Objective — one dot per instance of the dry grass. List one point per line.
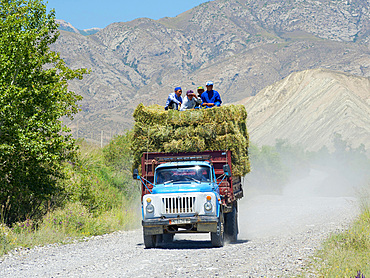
(221, 128)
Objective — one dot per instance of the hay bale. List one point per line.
(192, 144)
(155, 114)
(220, 128)
(150, 114)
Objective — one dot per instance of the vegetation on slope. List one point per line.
(97, 197)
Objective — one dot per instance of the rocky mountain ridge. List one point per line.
(243, 46)
(66, 26)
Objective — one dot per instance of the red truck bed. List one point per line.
(230, 188)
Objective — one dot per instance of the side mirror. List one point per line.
(227, 172)
(135, 174)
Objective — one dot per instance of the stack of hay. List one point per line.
(172, 131)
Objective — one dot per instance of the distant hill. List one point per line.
(309, 107)
(242, 45)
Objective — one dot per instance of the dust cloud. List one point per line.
(318, 196)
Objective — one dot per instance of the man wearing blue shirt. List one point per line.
(210, 97)
(174, 100)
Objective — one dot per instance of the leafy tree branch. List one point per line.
(34, 96)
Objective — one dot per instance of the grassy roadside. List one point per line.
(73, 222)
(98, 197)
(346, 254)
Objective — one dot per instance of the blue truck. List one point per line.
(189, 193)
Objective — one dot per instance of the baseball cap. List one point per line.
(189, 92)
(200, 88)
(209, 83)
(177, 88)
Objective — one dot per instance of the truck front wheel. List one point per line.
(150, 241)
(217, 238)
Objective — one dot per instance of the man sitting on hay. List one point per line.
(190, 101)
(210, 97)
(174, 100)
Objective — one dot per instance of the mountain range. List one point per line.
(242, 45)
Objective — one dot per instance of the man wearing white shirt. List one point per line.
(190, 101)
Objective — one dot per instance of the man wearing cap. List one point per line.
(190, 101)
(174, 99)
(200, 91)
(210, 97)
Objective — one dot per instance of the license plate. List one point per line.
(179, 221)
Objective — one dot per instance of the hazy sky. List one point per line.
(84, 14)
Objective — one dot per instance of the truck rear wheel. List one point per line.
(217, 238)
(231, 225)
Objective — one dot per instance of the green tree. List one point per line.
(119, 157)
(34, 96)
(118, 153)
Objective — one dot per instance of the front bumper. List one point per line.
(199, 224)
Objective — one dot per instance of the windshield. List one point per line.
(180, 174)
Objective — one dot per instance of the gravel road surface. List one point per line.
(278, 233)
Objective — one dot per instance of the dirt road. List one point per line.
(278, 233)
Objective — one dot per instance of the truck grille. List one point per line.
(178, 204)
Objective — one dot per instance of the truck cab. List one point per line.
(181, 194)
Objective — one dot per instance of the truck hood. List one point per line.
(176, 188)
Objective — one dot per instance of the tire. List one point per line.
(217, 238)
(168, 238)
(150, 241)
(231, 225)
(158, 240)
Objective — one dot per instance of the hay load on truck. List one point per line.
(190, 164)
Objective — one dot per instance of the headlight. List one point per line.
(149, 208)
(208, 206)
